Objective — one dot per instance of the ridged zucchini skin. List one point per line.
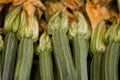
(8, 56)
(63, 56)
(45, 66)
(96, 67)
(24, 60)
(81, 47)
(110, 62)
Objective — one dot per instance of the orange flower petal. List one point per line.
(96, 13)
(30, 9)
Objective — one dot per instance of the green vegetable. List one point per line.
(12, 21)
(58, 26)
(24, 60)
(97, 47)
(111, 57)
(45, 58)
(8, 56)
(28, 33)
(80, 31)
(96, 67)
(81, 52)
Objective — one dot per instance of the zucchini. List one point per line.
(98, 48)
(81, 46)
(104, 67)
(111, 56)
(80, 32)
(63, 56)
(45, 63)
(58, 27)
(110, 62)
(96, 67)
(12, 21)
(45, 58)
(8, 56)
(24, 60)
(27, 33)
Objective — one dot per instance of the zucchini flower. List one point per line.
(45, 43)
(28, 27)
(97, 39)
(112, 29)
(80, 27)
(12, 20)
(59, 21)
(115, 36)
(1, 43)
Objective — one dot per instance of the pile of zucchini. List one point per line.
(59, 43)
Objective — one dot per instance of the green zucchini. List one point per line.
(111, 56)
(98, 48)
(81, 46)
(45, 63)
(63, 56)
(110, 62)
(58, 27)
(80, 33)
(45, 58)
(24, 60)
(8, 56)
(11, 25)
(96, 67)
(105, 58)
(27, 33)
